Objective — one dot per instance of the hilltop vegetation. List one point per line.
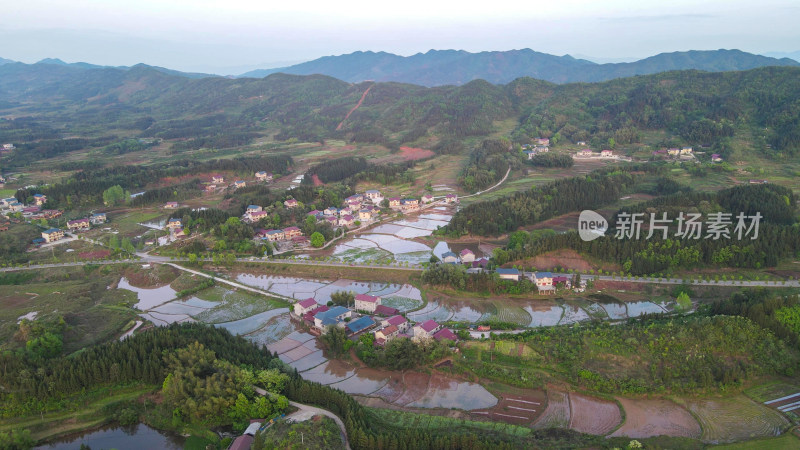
(51, 102)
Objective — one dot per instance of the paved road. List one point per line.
(305, 412)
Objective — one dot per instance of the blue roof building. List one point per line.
(359, 325)
(331, 316)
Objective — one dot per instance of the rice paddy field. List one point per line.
(736, 418)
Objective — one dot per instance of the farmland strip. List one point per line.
(515, 417)
(783, 408)
(791, 409)
(782, 398)
(523, 401)
(522, 409)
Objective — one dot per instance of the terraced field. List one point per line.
(557, 414)
(647, 418)
(593, 415)
(736, 418)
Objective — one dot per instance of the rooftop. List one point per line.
(366, 298)
(428, 325)
(360, 324)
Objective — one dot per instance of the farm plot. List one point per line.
(647, 418)
(234, 305)
(557, 414)
(274, 330)
(736, 418)
(636, 309)
(252, 323)
(573, 314)
(593, 415)
(403, 304)
(416, 384)
(517, 409)
(332, 371)
(444, 392)
(544, 315)
(365, 381)
(432, 311)
(512, 313)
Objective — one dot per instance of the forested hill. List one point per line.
(51, 102)
(457, 67)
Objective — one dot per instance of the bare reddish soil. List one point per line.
(413, 154)
(515, 409)
(94, 255)
(316, 180)
(593, 415)
(645, 418)
(360, 101)
(567, 259)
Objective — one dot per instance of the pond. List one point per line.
(148, 298)
(122, 438)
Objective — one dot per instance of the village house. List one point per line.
(374, 195)
(355, 197)
(673, 151)
(400, 322)
(211, 188)
(508, 274)
(467, 256)
(217, 179)
(581, 143)
(78, 225)
(31, 210)
(542, 278)
(394, 202)
(346, 221)
(175, 223)
(239, 184)
(449, 258)
(366, 303)
(529, 154)
(253, 208)
(758, 181)
(8, 147)
(716, 157)
(332, 221)
(97, 218)
(365, 215)
(255, 216)
(606, 154)
(426, 329)
(304, 306)
(427, 198)
(411, 202)
(171, 205)
(359, 325)
(16, 207)
(308, 317)
(300, 242)
(385, 311)
(345, 212)
(562, 281)
(263, 176)
(354, 205)
(290, 232)
(333, 316)
(40, 199)
(686, 151)
(445, 334)
(275, 235)
(7, 201)
(317, 214)
(386, 334)
(542, 141)
(260, 234)
(451, 198)
(585, 153)
(541, 149)
(290, 203)
(331, 211)
(52, 235)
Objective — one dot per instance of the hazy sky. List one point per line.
(232, 36)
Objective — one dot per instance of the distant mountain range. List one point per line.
(457, 67)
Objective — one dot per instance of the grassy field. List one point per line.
(788, 441)
(88, 415)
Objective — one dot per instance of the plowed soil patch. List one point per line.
(557, 414)
(593, 415)
(646, 418)
(413, 154)
(416, 384)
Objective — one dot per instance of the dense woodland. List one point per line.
(491, 218)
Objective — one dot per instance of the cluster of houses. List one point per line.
(683, 152)
(588, 153)
(291, 235)
(546, 282)
(532, 150)
(466, 257)
(356, 208)
(219, 181)
(368, 316)
(77, 225)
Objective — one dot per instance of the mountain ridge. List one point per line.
(458, 67)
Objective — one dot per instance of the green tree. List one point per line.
(684, 302)
(335, 340)
(114, 196)
(317, 239)
(343, 298)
